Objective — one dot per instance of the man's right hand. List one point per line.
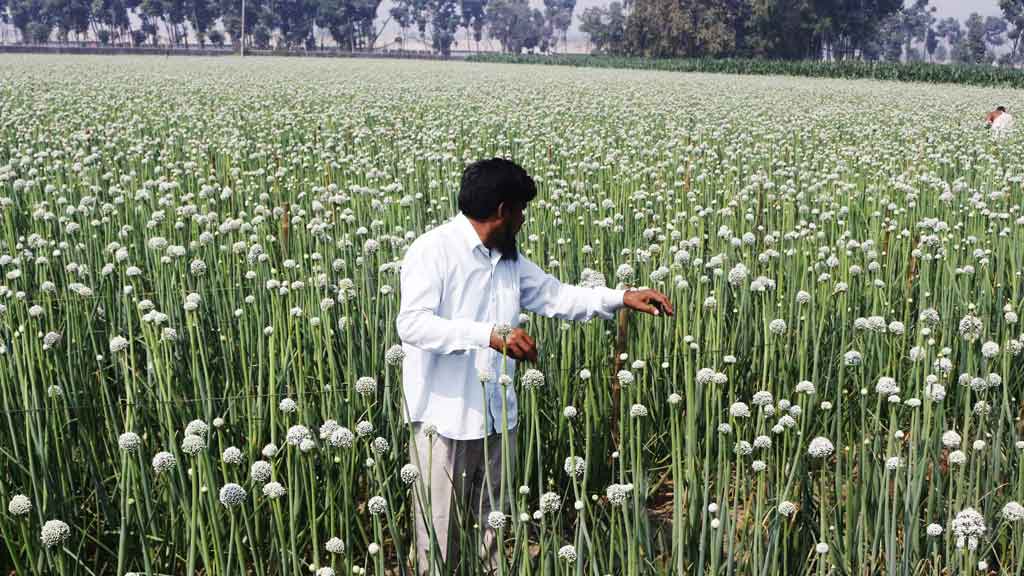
(519, 346)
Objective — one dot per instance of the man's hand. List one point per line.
(519, 346)
(649, 301)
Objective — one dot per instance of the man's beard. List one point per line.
(507, 245)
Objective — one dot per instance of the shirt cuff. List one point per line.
(611, 299)
(480, 334)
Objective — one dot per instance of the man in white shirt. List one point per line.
(460, 283)
(1000, 121)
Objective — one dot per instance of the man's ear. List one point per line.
(502, 211)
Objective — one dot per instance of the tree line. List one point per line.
(890, 30)
(289, 24)
(887, 30)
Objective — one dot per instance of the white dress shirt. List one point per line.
(454, 291)
(1003, 124)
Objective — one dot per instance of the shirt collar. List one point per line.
(467, 233)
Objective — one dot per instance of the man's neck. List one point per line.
(486, 231)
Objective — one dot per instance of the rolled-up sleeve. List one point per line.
(418, 323)
(543, 294)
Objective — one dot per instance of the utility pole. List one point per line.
(243, 28)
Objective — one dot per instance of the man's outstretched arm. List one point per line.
(544, 294)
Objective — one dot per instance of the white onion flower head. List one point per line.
(273, 490)
(364, 428)
(820, 447)
(118, 344)
(575, 466)
(821, 548)
(325, 571)
(394, 355)
(270, 450)
(550, 502)
(570, 412)
(296, 434)
(260, 471)
(163, 462)
(197, 427)
(532, 379)
(335, 546)
(934, 530)
(231, 455)
(739, 410)
(232, 495)
(409, 473)
(625, 377)
(341, 438)
(287, 406)
(54, 533)
(377, 505)
(19, 505)
(366, 385)
(193, 444)
(1013, 512)
(638, 411)
(129, 442)
(786, 508)
(968, 527)
(567, 553)
(496, 520)
(951, 439)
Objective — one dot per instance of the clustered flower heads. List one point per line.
(335, 545)
(377, 505)
(575, 466)
(532, 379)
(968, 527)
(820, 447)
(232, 495)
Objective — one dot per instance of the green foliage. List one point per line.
(978, 75)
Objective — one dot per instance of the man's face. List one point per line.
(512, 220)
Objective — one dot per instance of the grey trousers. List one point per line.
(453, 473)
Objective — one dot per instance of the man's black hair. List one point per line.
(487, 183)
(1000, 108)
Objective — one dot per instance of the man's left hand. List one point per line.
(649, 301)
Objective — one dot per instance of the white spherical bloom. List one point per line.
(377, 505)
(989, 349)
(758, 465)
(366, 386)
(260, 471)
(934, 530)
(968, 526)
(327, 428)
(893, 462)
(129, 442)
(273, 490)
(957, 457)
(19, 505)
(270, 450)
(852, 358)
(674, 399)
(886, 386)
(193, 444)
(325, 571)
(971, 327)
(777, 326)
(805, 387)
(567, 553)
(163, 462)
(218, 422)
(950, 439)
(570, 412)
(574, 466)
(625, 377)
(54, 391)
(118, 344)
(296, 434)
(715, 523)
(617, 493)
(335, 546)
(935, 391)
(504, 380)
(550, 502)
(585, 374)
(198, 427)
(379, 446)
(496, 520)
(978, 445)
(231, 455)
(54, 533)
(762, 442)
(532, 379)
(232, 494)
(739, 410)
(307, 445)
(821, 548)
(713, 508)
(820, 447)
(786, 508)
(724, 428)
(287, 405)
(341, 438)
(409, 473)
(743, 448)
(1013, 512)
(394, 355)
(705, 376)
(803, 297)
(787, 421)
(364, 428)
(638, 411)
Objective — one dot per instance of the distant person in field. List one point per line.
(1000, 121)
(461, 282)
